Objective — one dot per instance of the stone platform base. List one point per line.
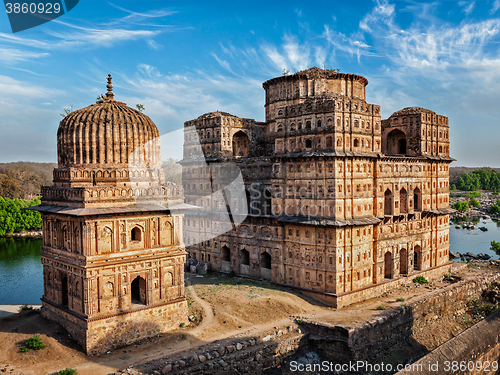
(348, 298)
(98, 335)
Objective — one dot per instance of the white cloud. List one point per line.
(11, 55)
(467, 7)
(496, 6)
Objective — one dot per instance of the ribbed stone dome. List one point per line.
(105, 133)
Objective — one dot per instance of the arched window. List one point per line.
(240, 144)
(64, 291)
(388, 202)
(136, 233)
(403, 262)
(226, 254)
(403, 199)
(245, 257)
(356, 142)
(308, 143)
(396, 143)
(388, 265)
(308, 125)
(266, 202)
(417, 258)
(265, 260)
(417, 199)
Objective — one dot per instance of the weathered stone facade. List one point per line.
(112, 249)
(338, 199)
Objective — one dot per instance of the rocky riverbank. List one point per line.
(26, 233)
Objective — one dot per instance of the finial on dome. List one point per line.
(109, 94)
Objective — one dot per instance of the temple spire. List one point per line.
(109, 94)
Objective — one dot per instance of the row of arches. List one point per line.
(244, 257)
(404, 203)
(404, 262)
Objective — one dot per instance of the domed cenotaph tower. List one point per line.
(112, 249)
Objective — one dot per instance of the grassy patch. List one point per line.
(400, 299)
(381, 307)
(481, 309)
(67, 371)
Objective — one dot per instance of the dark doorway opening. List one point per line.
(138, 290)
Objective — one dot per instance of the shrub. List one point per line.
(381, 307)
(67, 371)
(25, 307)
(183, 324)
(400, 299)
(474, 194)
(420, 280)
(475, 203)
(34, 342)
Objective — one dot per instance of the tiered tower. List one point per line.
(112, 249)
(341, 203)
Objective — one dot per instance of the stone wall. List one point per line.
(99, 335)
(368, 341)
(372, 291)
(474, 349)
(243, 355)
(392, 328)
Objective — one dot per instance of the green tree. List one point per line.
(453, 187)
(14, 217)
(475, 203)
(474, 194)
(461, 206)
(494, 209)
(495, 246)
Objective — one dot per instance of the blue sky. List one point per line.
(182, 59)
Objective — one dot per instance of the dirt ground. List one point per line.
(220, 307)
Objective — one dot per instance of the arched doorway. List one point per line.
(403, 262)
(403, 201)
(244, 262)
(417, 258)
(265, 260)
(64, 290)
(245, 257)
(225, 265)
(240, 144)
(266, 202)
(265, 265)
(417, 199)
(396, 143)
(226, 254)
(138, 291)
(388, 202)
(388, 265)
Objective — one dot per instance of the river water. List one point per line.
(21, 279)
